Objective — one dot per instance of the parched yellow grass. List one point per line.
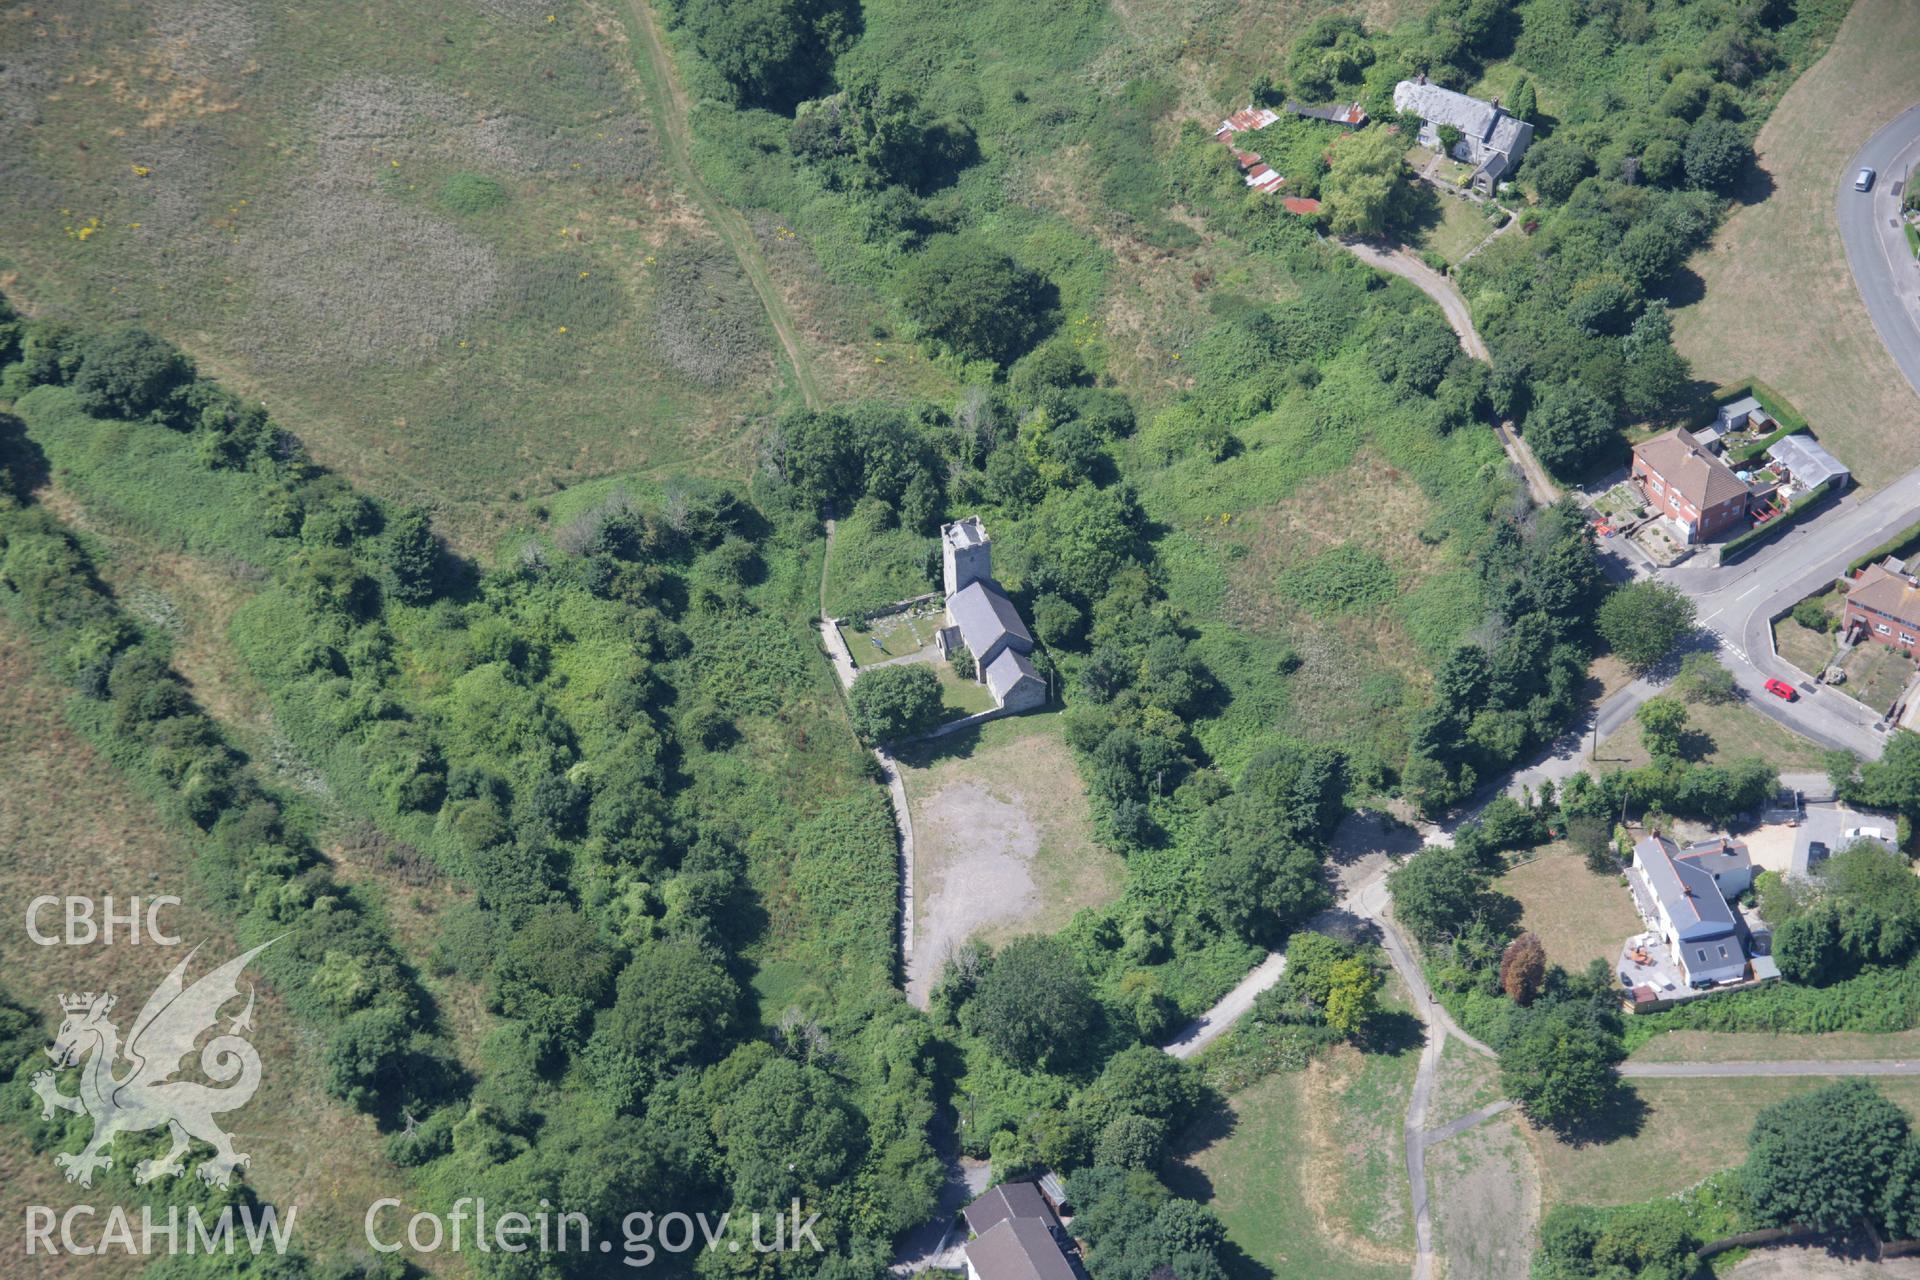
(1690, 1129)
(1780, 303)
(1727, 732)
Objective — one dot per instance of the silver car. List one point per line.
(1863, 180)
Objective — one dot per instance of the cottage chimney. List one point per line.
(1496, 104)
(1422, 79)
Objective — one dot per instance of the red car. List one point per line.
(1781, 689)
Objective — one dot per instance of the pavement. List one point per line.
(1804, 1067)
(1209, 1026)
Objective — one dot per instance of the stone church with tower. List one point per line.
(984, 620)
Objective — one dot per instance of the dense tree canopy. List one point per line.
(773, 53)
(977, 301)
(1643, 620)
(1033, 1004)
(1821, 1159)
(1570, 430)
(1558, 1064)
(1366, 191)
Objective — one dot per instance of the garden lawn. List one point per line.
(961, 697)
(1876, 674)
(1804, 647)
(1580, 916)
(1462, 227)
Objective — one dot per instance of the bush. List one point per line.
(1703, 678)
(1812, 614)
(892, 702)
(1716, 153)
(129, 374)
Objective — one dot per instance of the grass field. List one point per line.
(1719, 733)
(70, 824)
(1291, 1199)
(1687, 1130)
(445, 244)
(1466, 1082)
(1578, 915)
(1821, 351)
(1749, 1046)
(1485, 1199)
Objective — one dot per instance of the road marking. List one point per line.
(1749, 591)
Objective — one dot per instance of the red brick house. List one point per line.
(1884, 605)
(1690, 486)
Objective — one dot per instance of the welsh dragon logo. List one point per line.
(145, 1096)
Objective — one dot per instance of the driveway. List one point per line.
(1408, 266)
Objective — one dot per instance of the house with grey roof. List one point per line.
(1006, 1200)
(1016, 1236)
(1689, 909)
(1491, 139)
(982, 618)
(1017, 1249)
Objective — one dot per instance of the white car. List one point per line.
(1863, 180)
(1867, 833)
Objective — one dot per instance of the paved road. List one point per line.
(1468, 1121)
(1804, 1067)
(1883, 269)
(1209, 1026)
